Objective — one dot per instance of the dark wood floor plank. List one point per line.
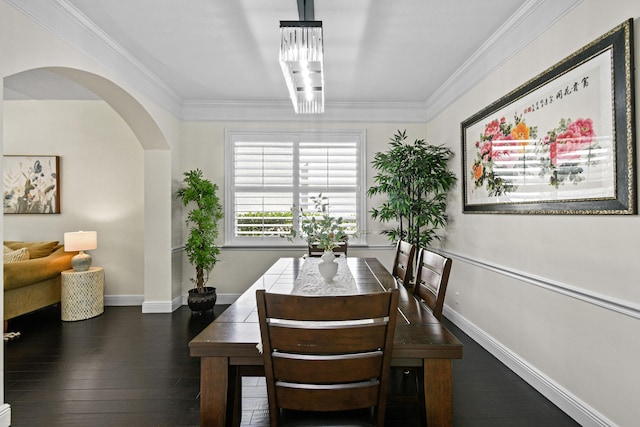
(125, 368)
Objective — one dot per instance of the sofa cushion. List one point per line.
(21, 254)
(36, 249)
(25, 273)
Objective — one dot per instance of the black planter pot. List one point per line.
(202, 301)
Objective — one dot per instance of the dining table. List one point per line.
(229, 347)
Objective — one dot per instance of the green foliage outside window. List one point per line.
(257, 224)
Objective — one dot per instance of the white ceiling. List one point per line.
(223, 51)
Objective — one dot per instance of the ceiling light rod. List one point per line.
(306, 10)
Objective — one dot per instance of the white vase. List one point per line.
(328, 268)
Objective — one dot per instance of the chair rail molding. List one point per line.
(627, 308)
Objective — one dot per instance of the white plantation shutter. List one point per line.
(263, 181)
(330, 169)
(268, 174)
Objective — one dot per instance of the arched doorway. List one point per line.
(156, 188)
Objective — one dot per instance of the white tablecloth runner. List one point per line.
(310, 282)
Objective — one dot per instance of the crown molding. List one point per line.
(62, 19)
(283, 111)
(68, 24)
(529, 21)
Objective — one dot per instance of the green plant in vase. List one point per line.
(319, 228)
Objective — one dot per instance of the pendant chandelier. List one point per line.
(301, 60)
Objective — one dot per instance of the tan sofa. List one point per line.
(35, 283)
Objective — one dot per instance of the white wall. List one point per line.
(203, 147)
(26, 45)
(101, 183)
(101, 158)
(583, 353)
(517, 280)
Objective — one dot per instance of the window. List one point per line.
(269, 173)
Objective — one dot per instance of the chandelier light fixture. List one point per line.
(301, 59)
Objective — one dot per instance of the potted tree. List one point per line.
(201, 248)
(415, 179)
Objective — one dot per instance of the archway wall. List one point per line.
(25, 45)
(101, 184)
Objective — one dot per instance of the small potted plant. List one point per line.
(200, 247)
(322, 231)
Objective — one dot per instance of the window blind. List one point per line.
(264, 182)
(271, 178)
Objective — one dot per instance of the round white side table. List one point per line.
(82, 294)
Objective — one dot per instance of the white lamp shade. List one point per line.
(80, 241)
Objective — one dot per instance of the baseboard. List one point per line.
(561, 397)
(123, 300)
(176, 303)
(5, 415)
(158, 306)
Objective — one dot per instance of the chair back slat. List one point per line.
(327, 353)
(403, 262)
(339, 399)
(308, 340)
(432, 277)
(326, 308)
(326, 370)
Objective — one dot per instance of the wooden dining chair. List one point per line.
(327, 358)
(403, 262)
(432, 276)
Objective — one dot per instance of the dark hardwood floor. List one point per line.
(125, 368)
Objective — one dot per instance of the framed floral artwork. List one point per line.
(31, 184)
(562, 143)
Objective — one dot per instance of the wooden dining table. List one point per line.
(228, 347)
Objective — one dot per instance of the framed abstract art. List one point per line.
(31, 184)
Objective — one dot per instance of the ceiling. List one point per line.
(222, 51)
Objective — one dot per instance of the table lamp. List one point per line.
(80, 241)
